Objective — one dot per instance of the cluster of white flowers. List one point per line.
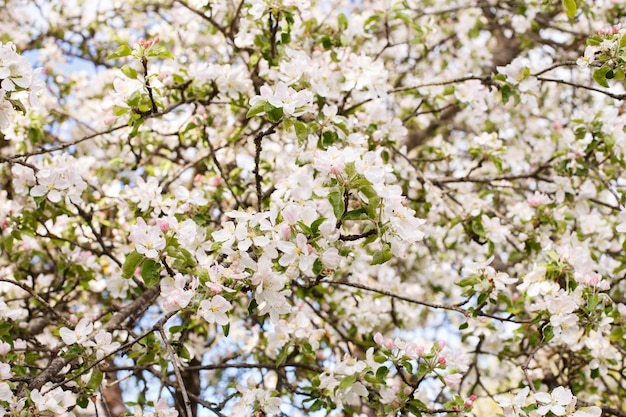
(559, 402)
(17, 79)
(62, 177)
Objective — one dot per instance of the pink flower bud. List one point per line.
(215, 181)
(442, 344)
(414, 351)
(473, 397)
(109, 119)
(389, 344)
(184, 207)
(441, 360)
(378, 338)
(215, 288)
(164, 226)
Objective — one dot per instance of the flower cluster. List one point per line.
(17, 80)
(559, 402)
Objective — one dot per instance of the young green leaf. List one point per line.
(131, 263)
(570, 8)
(150, 272)
(121, 51)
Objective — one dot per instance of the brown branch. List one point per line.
(584, 87)
(425, 303)
(258, 140)
(129, 310)
(66, 145)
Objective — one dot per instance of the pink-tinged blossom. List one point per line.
(148, 240)
(104, 344)
(333, 160)
(299, 253)
(5, 371)
(331, 258)
(62, 177)
(453, 380)
(177, 292)
(214, 310)
(6, 394)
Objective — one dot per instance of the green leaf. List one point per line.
(592, 301)
(383, 255)
(548, 334)
(315, 226)
(120, 111)
(258, 108)
(318, 266)
(130, 72)
(131, 263)
(342, 21)
(570, 8)
(599, 76)
(329, 138)
(252, 306)
(18, 105)
(160, 51)
(82, 401)
(145, 359)
(507, 92)
(358, 214)
(121, 51)
(381, 374)
(622, 41)
(282, 355)
(336, 201)
(150, 272)
(226, 329)
(347, 381)
(301, 131)
(95, 380)
(305, 229)
(274, 114)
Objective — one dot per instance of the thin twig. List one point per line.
(176, 365)
(258, 140)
